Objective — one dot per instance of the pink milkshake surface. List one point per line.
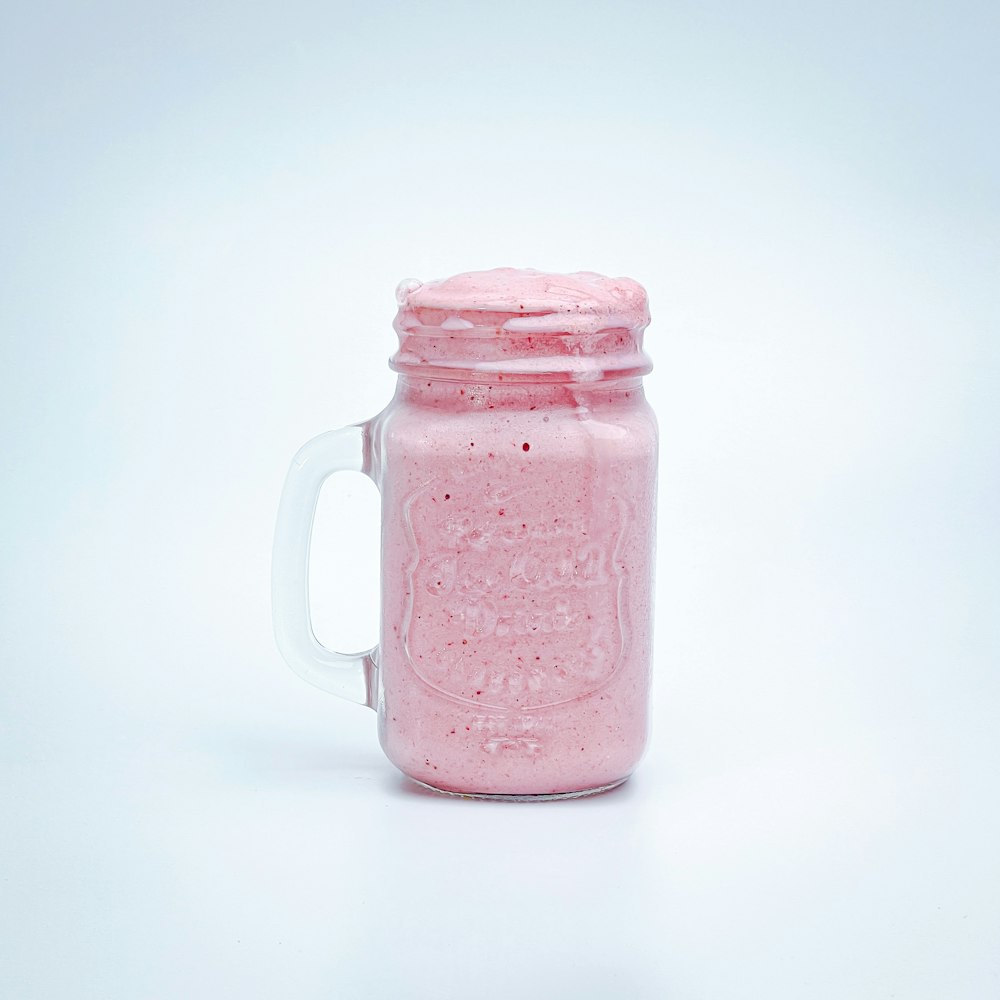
(517, 465)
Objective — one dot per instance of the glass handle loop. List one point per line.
(350, 675)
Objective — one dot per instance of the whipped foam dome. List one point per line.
(522, 323)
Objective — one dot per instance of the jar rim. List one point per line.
(522, 324)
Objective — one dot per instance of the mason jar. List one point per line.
(517, 469)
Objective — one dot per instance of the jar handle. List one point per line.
(351, 675)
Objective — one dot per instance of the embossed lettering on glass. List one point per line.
(517, 468)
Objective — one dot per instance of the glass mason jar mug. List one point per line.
(517, 469)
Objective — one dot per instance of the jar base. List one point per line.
(514, 797)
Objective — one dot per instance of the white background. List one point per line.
(205, 209)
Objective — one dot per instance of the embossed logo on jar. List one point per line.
(513, 604)
(508, 732)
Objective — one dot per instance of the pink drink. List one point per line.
(517, 465)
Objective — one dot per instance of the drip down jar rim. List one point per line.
(522, 325)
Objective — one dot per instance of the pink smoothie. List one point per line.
(517, 465)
